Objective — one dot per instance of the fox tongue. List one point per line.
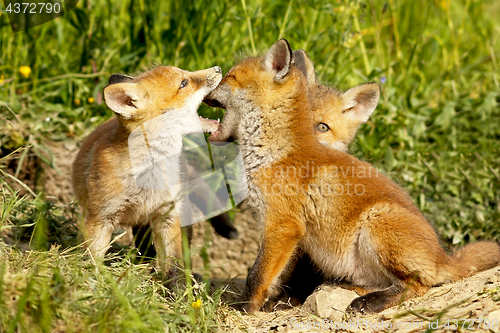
(209, 125)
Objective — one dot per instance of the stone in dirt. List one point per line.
(494, 318)
(329, 302)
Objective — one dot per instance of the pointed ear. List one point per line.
(119, 78)
(302, 61)
(359, 102)
(122, 98)
(278, 59)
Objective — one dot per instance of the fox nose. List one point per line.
(217, 70)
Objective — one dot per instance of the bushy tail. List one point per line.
(476, 257)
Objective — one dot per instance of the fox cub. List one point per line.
(118, 174)
(335, 127)
(355, 224)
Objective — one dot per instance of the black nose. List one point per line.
(218, 70)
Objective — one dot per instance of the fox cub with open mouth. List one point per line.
(355, 224)
(335, 127)
(122, 172)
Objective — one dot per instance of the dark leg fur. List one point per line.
(143, 242)
(305, 278)
(222, 225)
(252, 283)
(142, 235)
(302, 278)
(377, 301)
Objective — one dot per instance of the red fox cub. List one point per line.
(117, 174)
(335, 125)
(356, 224)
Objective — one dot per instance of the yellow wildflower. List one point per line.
(444, 4)
(77, 102)
(196, 304)
(1, 79)
(25, 71)
(91, 100)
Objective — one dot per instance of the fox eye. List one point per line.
(183, 83)
(323, 127)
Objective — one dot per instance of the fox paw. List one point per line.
(369, 303)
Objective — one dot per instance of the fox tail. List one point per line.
(476, 257)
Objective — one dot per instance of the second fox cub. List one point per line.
(335, 124)
(354, 223)
(118, 173)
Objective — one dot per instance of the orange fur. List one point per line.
(335, 122)
(354, 223)
(102, 176)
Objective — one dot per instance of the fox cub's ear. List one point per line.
(119, 78)
(278, 59)
(302, 61)
(359, 102)
(122, 98)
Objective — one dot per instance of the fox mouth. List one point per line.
(215, 136)
(213, 103)
(209, 125)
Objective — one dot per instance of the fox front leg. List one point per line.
(97, 235)
(167, 239)
(277, 248)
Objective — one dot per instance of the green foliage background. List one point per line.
(435, 130)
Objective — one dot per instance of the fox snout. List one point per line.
(217, 70)
(218, 97)
(214, 76)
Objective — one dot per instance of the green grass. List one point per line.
(66, 291)
(435, 130)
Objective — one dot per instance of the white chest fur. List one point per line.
(154, 178)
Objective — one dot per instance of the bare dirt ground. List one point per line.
(469, 305)
(470, 300)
